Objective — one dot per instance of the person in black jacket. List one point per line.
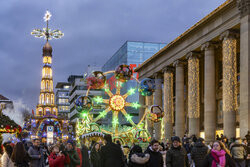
(85, 156)
(219, 155)
(95, 156)
(111, 154)
(177, 155)
(199, 152)
(156, 159)
(137, 158)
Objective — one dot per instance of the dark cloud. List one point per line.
(94, 30)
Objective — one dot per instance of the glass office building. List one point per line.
(133, 54)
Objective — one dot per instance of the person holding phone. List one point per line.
(56, 158)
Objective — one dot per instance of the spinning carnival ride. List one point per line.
(117, 104)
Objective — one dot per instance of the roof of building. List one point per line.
(199, 23)
(61, 84)
(3, 98)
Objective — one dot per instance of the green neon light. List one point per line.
(128, 117)
(103, 114)
(115, 122)
(131, 91)
(136, 105)
(98, 99)
(84, 114)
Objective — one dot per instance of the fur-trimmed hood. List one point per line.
(140, 160)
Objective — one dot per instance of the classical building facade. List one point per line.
(203, 76)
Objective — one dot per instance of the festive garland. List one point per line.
(123, 73)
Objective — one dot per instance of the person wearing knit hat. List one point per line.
(176, 155)
(176, 138)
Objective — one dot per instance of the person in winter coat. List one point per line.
(79, 152)
(95, 156)
(5, 159)
(111, 154)
(36, 154)
(56, 158)
(199, 152)
(176, 155)
(137, 158)
(19, 156)
(155, 159)
(74, 159)
(85, 156)
(238, 153)
(219, 156)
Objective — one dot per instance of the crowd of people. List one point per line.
(185, 152)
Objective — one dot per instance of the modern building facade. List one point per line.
(204, 76)
(62, 98)
(133, 54)
(78, 88)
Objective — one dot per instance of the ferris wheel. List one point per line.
(115, 101)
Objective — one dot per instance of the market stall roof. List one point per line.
(8, 126)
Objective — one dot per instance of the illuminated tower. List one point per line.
(46, 105)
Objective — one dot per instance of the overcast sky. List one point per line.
(94, 31)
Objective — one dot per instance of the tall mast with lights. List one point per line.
(46, 105)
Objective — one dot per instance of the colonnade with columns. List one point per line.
(172, 97)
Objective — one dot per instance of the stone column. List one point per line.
(142, 103)
(149, 103)
(179, 99)
(244, 7)
(229, 83)
(158, 101)
(168, 102)
(209, 92)
(194, 93)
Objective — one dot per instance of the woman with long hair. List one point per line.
(95, 156)
(5, 159)
(219, 156)
(20, 157)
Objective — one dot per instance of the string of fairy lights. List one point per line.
(193, 87)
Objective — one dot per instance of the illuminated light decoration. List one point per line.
(96, 80)
(47, 16)
(98, 99)
(131, 91)
(129, 117)
(103, 114)
(156, 113)
(84, 114)
(83, 103)
(229, 74)
(147, 87)
(193, 86)
(117, 103)
(136, 105)
(143, 136)
(168, 96)
(47, 33)
(123, 73)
